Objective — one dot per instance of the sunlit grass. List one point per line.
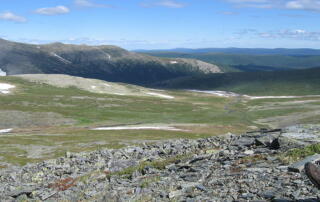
(298, 154)
(201, 115)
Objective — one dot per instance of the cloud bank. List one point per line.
(9, 16)
(58, 10)
(307, 5)
(90, 4)
(297, 34)
(163, 3)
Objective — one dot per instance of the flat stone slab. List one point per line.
(299, 166)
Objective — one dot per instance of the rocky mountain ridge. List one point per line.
(103, 62)
(220, 168)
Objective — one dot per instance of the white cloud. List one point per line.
(53, 10)
(87, 3)
(164, 3)
(12, 17)
(255, 3)
(248, 1)
(170, 4)
(297, 34)
(294, 34)
(304, 5)
(266, 35)
(313, 5)
(246, 32)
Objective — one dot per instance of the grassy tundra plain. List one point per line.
(49, 120)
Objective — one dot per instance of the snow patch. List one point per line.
(5, 88)
(161, 95)
(108, 85)
(153, 89)
(218, 93)
(174, 62)
(93, 87)
(109, 56)
(140, 128)
(61, 59)
(278, 97)
(231, 94)
(3, 73)
(6, 130)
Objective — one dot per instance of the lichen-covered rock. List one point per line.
(220, 168)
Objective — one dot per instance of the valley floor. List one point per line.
(101, 140)
(43, 119)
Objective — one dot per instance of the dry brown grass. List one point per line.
(63, 184)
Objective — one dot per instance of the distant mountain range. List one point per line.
(108, 63)
(246, 51)
(251, 60)
(242, 73)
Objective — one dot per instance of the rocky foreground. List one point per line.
(223, 168)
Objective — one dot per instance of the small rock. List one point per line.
(249, 152)
(174, 194)
(299, 166)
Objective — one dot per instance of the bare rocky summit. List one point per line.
(243, 167)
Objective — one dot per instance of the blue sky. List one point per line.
(161, 24)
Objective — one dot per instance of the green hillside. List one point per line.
(49, 115)
(294, 82)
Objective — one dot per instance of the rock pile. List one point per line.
(222, 168)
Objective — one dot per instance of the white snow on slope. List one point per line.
(279, 97)
(161, 95)
(5, 130)
(173, 62)
(168, 128)
(3, 73)
(218, 93)
(60, 58)
(109, 56)
(5, 88)
(231, 94)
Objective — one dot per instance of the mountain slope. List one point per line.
(101, 62)
(91, 85)
(293, 82)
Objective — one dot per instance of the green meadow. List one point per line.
(48, 121)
